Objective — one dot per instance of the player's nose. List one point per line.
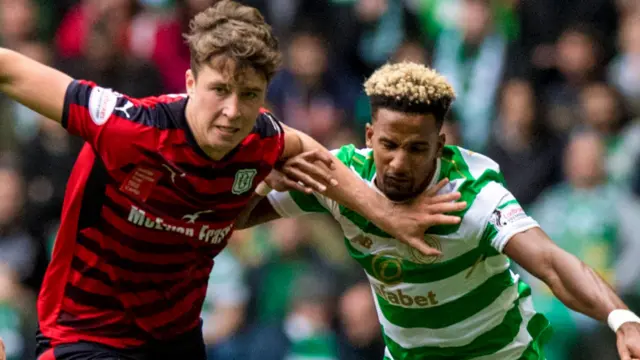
(399, 163)
(231, 107)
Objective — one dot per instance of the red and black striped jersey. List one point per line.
(145, 213)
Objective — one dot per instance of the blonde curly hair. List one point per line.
(412, 88)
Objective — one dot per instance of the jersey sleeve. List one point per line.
(505, 220)
(95, 113)
(295, 203)
(112, 123)
(269, 127)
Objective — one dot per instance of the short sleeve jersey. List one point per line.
(465, 303)
(145, 213)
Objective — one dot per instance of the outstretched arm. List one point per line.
(405, 222)
(33, 84)
(574, 283)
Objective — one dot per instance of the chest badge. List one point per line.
(243, 181)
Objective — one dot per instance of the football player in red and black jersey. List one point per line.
(159, 184)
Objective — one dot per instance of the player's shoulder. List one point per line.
(478, 178)
(267, 125)
(359, 160)
(102, 104)
(460, 163)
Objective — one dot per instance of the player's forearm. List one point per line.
(7, 57)
(35, 85)
(580, 288)
(351, 191)
(258, 211)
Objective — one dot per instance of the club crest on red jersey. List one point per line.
(243, 181)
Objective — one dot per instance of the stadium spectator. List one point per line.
(578, 59)
(624, 70)
(594, 220)
(305, 332)
(18, 250)
(18, 255)
(365, 33)
(106, 61)
(18, 22)
(604, 110)
(224, 308)
(309, 95)
(272, 283)
(529, 155)
(473, 56)
(160, 40)
(72, 34)
(47, 160)
(359, 325)
(286, 16)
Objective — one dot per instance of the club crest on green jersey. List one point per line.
(243, 181)
(421, 258)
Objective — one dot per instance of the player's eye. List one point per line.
(418, 149)
(220, 90)
(388, 145)
(250, 95)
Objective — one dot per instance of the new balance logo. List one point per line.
(173, 173)
(125, 108)
(193, 217)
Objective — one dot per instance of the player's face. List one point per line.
(223, 106)
(405, 149)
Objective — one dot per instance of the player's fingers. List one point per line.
(324, 157)
(294, 185)
(421, 246)
(441, 219)
(434, 190)
(305, 179)
(318, 171)
(447, 207)
(445, 198)
(622, 349)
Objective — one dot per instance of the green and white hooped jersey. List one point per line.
(463, 304)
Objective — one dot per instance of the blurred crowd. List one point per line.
(550, 89)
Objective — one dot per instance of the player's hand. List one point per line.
(307, 172)
(411, 220)
(3, 355)
(629, 341)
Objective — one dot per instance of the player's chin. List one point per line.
(223, 139)
(398, 194)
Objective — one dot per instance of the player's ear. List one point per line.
(442, 140)
(369, 135)
(190, 82)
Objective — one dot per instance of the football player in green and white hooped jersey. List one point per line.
(464, 303)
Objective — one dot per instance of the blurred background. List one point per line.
(550, 89)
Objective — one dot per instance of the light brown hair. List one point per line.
(233, 36)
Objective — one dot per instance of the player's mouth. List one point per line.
(397, 182)
(226, 130)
